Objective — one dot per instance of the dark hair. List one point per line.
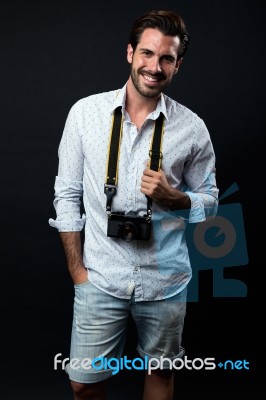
(167, 22)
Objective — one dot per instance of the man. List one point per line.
(114, 275)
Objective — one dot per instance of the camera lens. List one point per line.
(128, 231)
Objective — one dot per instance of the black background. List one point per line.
(52, 54)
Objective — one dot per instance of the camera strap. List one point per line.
(155, 154)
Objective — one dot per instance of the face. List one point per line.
(154, 62)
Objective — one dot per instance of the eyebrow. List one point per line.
(164, 55)
(143, 48)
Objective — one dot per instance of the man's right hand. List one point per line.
(80, 275)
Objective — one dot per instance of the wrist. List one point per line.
(79, 274)
(178, 200)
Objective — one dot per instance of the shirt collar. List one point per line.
(160, 108)
(120, 100)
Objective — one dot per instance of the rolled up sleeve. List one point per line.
(69, 181)
(200, 177)
(67, 206)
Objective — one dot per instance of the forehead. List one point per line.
(156, 41)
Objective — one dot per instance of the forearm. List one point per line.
(73, 251)
(176, 200)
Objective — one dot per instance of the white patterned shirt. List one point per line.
(159, 267)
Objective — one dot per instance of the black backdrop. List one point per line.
(56, 52)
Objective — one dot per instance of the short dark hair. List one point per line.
(167, 22)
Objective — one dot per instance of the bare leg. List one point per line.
(92, 391)
(159, 385)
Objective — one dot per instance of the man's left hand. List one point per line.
(155, 185)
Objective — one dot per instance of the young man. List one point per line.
(120, 269)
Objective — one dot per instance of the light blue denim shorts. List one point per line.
(100, 324)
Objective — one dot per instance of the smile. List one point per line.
(151, 78)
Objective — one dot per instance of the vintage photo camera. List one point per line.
(129, 226)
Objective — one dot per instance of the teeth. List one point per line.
(151, 79)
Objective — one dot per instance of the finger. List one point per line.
(145, 185)
(147, 179)
(146, 171)
(145, 191)
(149, 172)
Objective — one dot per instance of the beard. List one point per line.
(148, 91)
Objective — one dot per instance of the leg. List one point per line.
(93, 391)
(98, 333)
(159, 385)
(160, 327)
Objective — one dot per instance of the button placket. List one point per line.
(130, 187)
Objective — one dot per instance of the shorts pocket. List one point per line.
(77, 285)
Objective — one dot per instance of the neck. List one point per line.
(138, 106)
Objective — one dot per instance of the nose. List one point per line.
(154, 65)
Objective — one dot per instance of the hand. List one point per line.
(80, 276)
(155, 185)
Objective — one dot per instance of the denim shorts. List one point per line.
(99, 330)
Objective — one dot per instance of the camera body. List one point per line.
(129, 226)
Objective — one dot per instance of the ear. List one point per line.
(178, 63)
(129, 53)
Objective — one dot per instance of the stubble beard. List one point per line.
(145, 91)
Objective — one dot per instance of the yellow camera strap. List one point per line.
(155, 154)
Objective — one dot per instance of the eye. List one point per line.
(146, 52)
(169, 59)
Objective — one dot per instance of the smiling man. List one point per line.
(155, 59)
(133, 155)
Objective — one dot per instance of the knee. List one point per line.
(79, 389)
(88, 390)
(165, 374)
